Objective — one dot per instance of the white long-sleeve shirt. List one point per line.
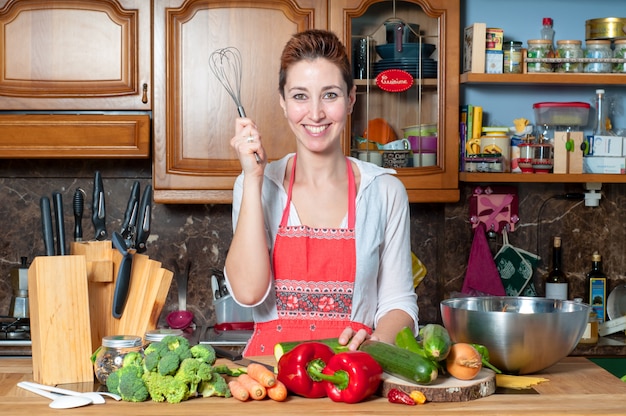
(384, 277)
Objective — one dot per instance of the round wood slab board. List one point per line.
(445, 388)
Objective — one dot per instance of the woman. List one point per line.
(321, 242)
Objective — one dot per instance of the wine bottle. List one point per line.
(556, 281)
(596, 287)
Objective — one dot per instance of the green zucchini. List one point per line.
(284, 347)
(435, 341)
(401, 363)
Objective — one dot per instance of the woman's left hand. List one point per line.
(353, 339)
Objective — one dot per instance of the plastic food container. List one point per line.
(227, 310)
(561, 113)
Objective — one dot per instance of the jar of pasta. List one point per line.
(598, 49)
(569, 49)
(540, 48)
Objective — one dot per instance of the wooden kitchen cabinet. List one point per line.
(194, 116)
(75, 78)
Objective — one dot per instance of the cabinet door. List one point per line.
(432, 100)
(194, 116)
(75, 55)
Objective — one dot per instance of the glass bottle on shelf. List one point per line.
(596, 287)
(556, 280)
(547, 30)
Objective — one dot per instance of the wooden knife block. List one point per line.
(60, 320)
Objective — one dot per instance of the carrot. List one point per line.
(238, 391)
(278, 392)
(256, 390)
(261, 374)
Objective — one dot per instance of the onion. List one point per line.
(463, 361)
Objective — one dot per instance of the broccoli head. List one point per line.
(168, 363)
(165, 388)
(178, 344)
(131, 386)
(133, 358)
(113, 382)
(217, 386)
(192, 372)
(204, 353)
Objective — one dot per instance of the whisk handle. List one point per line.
(241, 111)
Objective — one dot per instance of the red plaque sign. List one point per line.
(394, 80)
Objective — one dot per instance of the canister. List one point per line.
(569, 49)
(598, 49)
(497, 142)
(606, 28)
(540, 48)
(111, 354)
(620, 53)
(512, 57)
(543, 158)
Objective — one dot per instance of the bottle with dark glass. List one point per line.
(556, 280)
(596, 287)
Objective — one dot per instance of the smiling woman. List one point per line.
(325, 237)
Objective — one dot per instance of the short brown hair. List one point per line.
(310, 45)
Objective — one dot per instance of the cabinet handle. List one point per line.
(144, 97)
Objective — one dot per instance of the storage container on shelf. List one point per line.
(540, 48)
(569, 49)
(565, 114)
(598, 49)
(620, 53)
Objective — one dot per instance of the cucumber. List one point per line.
(401, 363)
(406, 340)
(435, 341)
(284, 347)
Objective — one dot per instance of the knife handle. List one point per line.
(144, 219)
(122, 285)
(57, 201)
(46, 225)
(98, 216)
(130, 215)
(79, 204)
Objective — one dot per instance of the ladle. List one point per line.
(182, 318)
(58, 401)
(95, 396)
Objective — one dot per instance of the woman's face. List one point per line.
(316, 104)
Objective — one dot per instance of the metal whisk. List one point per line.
(225, 64)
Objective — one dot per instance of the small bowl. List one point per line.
(409, 50)
(522, 334)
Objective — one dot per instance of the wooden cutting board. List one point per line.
(446, 388)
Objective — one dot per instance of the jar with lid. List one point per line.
(569, 49)
(540, 48)
(158, 334)
(111, 354)
(598, 49)
(590, 336)
(619, 53)
(512, 57)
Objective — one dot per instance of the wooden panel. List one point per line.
(71, 54)
(74, 136)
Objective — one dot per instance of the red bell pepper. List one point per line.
(351, 376)
(297, 369)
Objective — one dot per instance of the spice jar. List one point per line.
(111, 354)
(619, 53)
(598, 49)
(512, 57)
(590, 336)
(540, 48)
(569, 49)
(158, 334)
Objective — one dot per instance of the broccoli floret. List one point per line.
(217, 386)
(157, 347)
(192, 372)
(151, 362)
(168, 363)
(131, 386)
(113, 382)
(133, 358)
(152, 355)
(178, 344)
(165, 388)
(204, 353)
(224, 369)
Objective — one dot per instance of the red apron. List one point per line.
(314, 271)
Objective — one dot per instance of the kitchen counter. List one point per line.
(576, 387)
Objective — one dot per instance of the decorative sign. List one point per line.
(394, 80)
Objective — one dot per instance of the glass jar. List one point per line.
(540, 48)
(159, 334)
(590, 336)
(598, 49)
(111, 354)
(512, 57)
(569, 49)
(620, 53)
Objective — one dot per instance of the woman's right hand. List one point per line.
(247, 144)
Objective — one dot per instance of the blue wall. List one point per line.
(521, 21)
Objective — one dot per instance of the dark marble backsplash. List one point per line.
(441, 233)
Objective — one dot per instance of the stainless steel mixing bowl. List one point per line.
(523, 334)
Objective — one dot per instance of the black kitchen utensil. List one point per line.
(143, 220)
(46, 225)
(129, 223)
(98, 216)
(79, 205)
(57, 202)
(122, 283)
